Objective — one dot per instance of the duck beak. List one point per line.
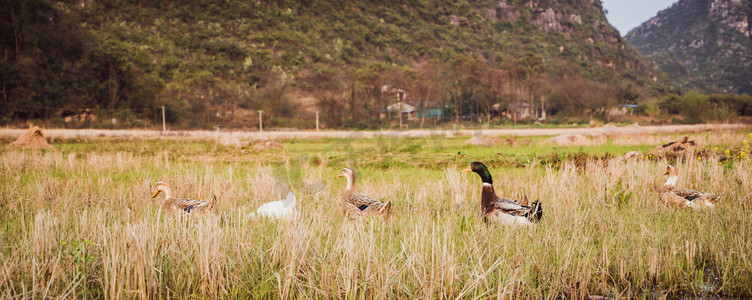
(156, 192)
(340, 175)
(466, 170)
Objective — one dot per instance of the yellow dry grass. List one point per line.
(83, 226)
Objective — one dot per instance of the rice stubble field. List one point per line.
(78, 221)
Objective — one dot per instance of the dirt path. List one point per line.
(301, 134)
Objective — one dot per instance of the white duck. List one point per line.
(278, 209)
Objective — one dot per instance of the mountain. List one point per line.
(706, 45)
(217, 62)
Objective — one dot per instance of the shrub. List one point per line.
(694, 107)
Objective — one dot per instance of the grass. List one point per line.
(78, 222)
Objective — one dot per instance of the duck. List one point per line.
(679, 197)
(278, 209)
(186, 206)
(357, 205)
(499, 210)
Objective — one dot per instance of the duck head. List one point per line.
(481, 170)
(673, 175)
(349, 174)
(671, 170)
(163, 186)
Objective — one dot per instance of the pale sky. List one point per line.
(628, 14)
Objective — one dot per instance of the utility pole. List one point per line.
(543, 109)
(164, 125)
(261, 124)
(218, 129)
(400, 114)
(400, 97)
(317, 121)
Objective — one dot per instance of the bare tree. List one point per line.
(331, 93)
(427, 88)
(577, 95)
(496, 80)
(533, 69)
(512, 66)
(368, 82)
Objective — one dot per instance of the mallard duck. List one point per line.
(500, 210)
(278, 209)
(356, 205)
(187, 206)
(679, 197)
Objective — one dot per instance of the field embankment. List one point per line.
(303, 134)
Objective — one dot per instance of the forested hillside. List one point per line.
(705, 45)
(217, 62)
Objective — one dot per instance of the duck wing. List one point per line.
(510, 212)
(689, 194)
(187, 205)
(361, 202)
(510, 207)
(352, 210)
(671, 198)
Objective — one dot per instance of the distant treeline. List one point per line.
(698, 108)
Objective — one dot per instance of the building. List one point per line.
(431, 112)
(516, 110)
(408, 110)
(622, 110)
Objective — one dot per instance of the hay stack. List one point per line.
(32, 139)
(481, 141)
(490, 141)
(678, 148)
(632, 129)
(569, 140)
(261, 145)
(233, 142)
(631, 155)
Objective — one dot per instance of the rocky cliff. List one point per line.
(705, 45)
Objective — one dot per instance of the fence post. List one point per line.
(164, 125)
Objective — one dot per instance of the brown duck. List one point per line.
(186, 206)
(500, 210)
(357, 205)
(679, 197)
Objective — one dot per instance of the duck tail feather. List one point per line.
(386, 207)
(212, 202)
(718, 197)
(289, 200)
(537, 212)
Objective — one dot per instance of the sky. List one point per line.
(628, 14)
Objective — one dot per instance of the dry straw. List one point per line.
(85, 227)
(31, 139)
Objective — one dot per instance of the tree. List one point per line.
(496, 80)
(533, 68)
(369, 80)
(465, 73)
(515, 73)
(330, 94)
(576, 95)
(426, 88)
